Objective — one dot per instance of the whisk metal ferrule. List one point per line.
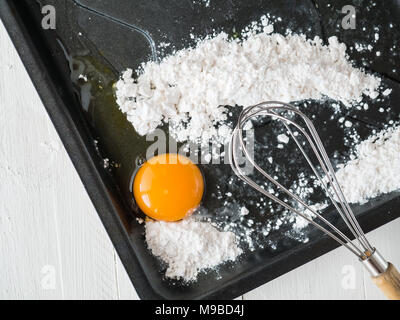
(375, 263)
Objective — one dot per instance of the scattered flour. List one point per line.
(189, 246)
(387, 92)
(300, 223)
(375, 168)
(348, 124)
(283, 138)
(244, 211)
(360, 47)
(190, 88)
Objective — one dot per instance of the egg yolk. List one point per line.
(168, 187)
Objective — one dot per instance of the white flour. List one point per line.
(375, 168)
(190, 246)
(189, 88)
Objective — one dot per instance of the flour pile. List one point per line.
(190, 246)
(375, 169)
(190, 88)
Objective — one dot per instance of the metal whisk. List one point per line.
(383, 273)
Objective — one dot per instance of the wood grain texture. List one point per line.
(389, 282)
(53, 245)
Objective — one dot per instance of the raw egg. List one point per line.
(168, 187)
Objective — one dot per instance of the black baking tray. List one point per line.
(122, 34)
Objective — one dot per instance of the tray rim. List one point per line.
(100, 196)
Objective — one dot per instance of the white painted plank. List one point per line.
(48, 223)
(87, 253)
(329, 277)
(28, 234)
(126, 291)
(318, 279)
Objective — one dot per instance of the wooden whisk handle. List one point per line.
(389, 282)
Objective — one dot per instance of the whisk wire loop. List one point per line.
(330, 184)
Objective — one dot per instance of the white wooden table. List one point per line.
(52, 243)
